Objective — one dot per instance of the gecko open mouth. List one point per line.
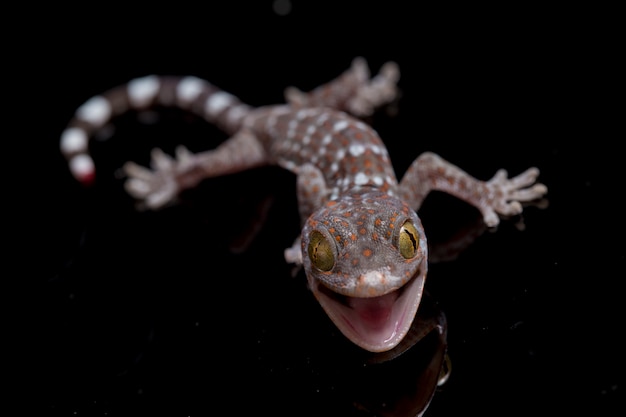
(378, 323)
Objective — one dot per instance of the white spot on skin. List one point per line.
(301, 114)
(378, 181)
(189, 89)
(334, 167)
(361, 179)
(327, 139)
(289, 165)
(340, 125)
(73, 140)
(356, 149)
(216, 103)
(235, 114)
(362, 126)
(96, 111)
(340, 154)
(142, 90)
(321, 119)
(81, 166)
(379, 280)
(291, 129)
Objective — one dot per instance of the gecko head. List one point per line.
(365, 258)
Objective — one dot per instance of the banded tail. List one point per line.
(189, 93)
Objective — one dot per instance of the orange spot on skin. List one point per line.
(367, 253)
(331, 203)
(362, 230)
(332, 230)
(338, 238)
(352, 237)
(378, 222)
(375, 236)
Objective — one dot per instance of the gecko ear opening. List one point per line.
(321, 251)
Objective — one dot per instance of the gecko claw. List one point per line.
(183, 156)
(161, 160)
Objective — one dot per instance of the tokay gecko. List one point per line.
(362, 245)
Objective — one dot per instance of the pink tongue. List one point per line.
(374, 312)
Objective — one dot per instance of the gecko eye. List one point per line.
(321, 252)
(408, 240)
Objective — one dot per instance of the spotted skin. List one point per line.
(362, 247)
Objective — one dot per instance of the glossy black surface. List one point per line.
(140, 313)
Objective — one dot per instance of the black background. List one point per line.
(131, 313)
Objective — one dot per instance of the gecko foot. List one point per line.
(507, 194)
(156, 188)
(380, 90)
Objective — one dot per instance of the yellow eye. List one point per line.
(321, 252)
(408, 241)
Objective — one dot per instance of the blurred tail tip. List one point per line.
(83, 169)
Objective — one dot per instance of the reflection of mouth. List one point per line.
(376, 323)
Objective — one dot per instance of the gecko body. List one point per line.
(362, 246)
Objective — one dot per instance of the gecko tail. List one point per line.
(186, 92)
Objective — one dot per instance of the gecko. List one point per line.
(362, 244)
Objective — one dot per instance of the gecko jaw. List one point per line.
(376, 324)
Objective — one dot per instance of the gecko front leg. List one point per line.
(498, 196)
(160, 186)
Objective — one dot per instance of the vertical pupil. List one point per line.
(408, 240)
(412, 237)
